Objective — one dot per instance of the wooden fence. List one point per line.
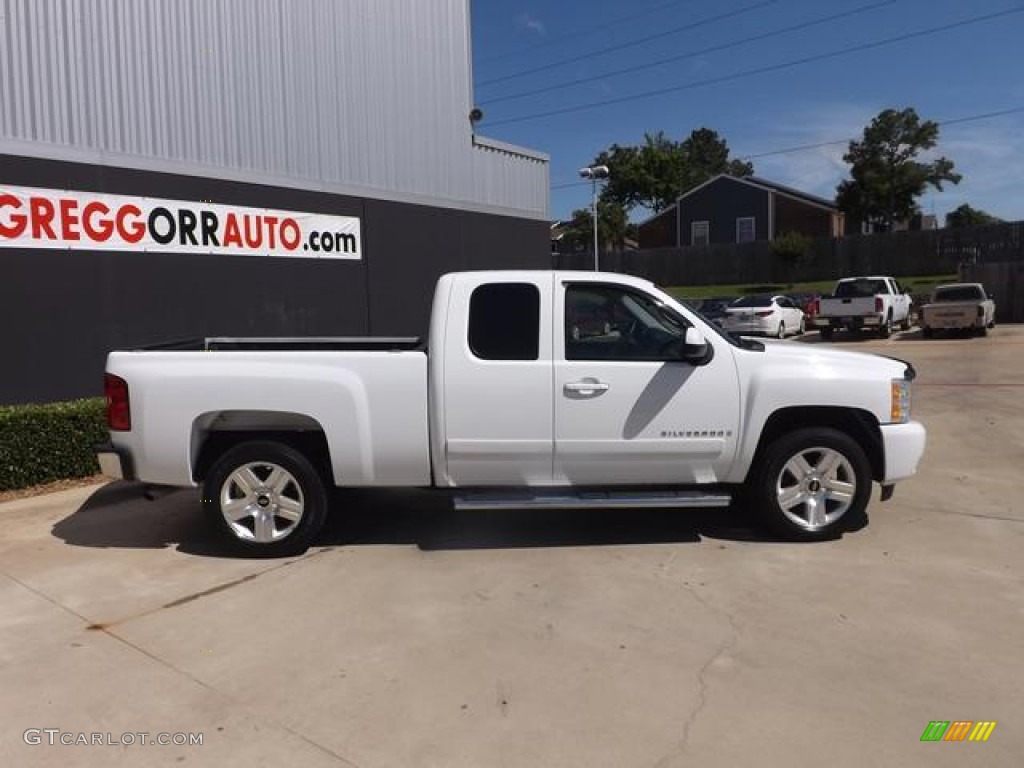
(900, 254)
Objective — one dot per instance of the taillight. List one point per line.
(981, 311)
(879, 304)
(119, 413)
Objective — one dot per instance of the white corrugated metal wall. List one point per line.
(366, 97)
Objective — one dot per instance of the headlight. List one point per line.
(900, 398)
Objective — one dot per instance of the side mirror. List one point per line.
(695, 347)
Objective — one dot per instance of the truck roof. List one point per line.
(577, 275)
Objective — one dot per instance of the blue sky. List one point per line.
(972, 68)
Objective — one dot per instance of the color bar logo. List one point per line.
(958, 730)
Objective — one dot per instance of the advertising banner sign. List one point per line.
(49, 218)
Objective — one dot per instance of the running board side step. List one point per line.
(592, 500)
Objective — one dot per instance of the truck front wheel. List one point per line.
(265, 499)
(811, 484)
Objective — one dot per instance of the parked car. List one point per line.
(864, 303)
(959, 307)
(808, 302)
(714, 308)
(504, 408)
(765, 314)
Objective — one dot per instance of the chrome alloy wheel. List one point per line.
(261, 502)
(816, 487)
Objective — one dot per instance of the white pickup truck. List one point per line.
(959, 307)
(864, 303)
(526, 398)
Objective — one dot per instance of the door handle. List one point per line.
(585, 387)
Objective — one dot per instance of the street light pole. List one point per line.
(594, 173)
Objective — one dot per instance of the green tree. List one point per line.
(885, 177)
(660, 169)
(966, 216)
(793, 250)
(613, 228)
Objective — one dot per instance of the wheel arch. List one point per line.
(860, 425)
(216, 432)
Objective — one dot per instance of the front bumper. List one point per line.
(115, 463)
(903, 446)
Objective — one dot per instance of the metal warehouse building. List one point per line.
(181, 168)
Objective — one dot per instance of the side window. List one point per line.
(504, 321)
(700, 233)
(611, 323)
(745, 229)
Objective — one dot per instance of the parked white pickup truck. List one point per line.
(864, 303)
(958, 307)
(514, 406)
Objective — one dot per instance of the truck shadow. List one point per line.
(428, 521)
(117, 515)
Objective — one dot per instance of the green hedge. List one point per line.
(55, 441)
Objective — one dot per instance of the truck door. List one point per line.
(627, 408)
(498, 420)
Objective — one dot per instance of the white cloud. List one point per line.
(526, 21)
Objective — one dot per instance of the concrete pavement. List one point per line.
(417, 636)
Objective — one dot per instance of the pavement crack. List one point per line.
(703, 685)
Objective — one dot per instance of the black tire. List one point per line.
(885, 329)
(905, 325)
(826, 333)
(820, 508)
(981, 330)
(282, 511)
(781, 332)
(802, 327)
(927, 332)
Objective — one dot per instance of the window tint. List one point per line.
(852, 289)
(758, 300)
(960, 293)
(610, 323)
(504, 321)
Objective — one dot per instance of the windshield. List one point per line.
(855, 289)
(753, 301)
(959, 293)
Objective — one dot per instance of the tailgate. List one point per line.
(852, 307)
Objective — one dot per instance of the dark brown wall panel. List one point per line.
(63, 311)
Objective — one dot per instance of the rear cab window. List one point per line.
(504, 321)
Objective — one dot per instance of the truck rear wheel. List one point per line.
(885, 329)
(826, 333)
(265, 499)
(811, 484)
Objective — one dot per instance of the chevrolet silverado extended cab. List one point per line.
(864, 303)
(554, 389)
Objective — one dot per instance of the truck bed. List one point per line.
(288, 343)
